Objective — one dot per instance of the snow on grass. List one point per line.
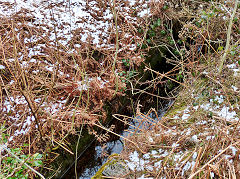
(54, 108)
(153, 160)
(135, 163)
(18, 100)
(194, 139)
(138, 163)
(21, 118)
(235, 88)
(227, 114)
(85, 84)
(183, 139)
(185, 115)
(217, 106)
(235, 68)
(62, 18)
(188, 166)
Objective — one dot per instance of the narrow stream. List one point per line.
(93, 152)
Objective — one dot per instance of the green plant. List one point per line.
(165, 7)
(126, 62)
(126, 76)
(179, 76)
(170, 84)
(163, 32)
(16, 164)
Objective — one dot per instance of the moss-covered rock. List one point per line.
(114, 167)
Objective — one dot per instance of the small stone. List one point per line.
(115, 169)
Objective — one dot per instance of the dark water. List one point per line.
(112, 147)
(91, 159)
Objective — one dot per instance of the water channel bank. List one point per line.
(200, 130)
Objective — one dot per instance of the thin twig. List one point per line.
(229, 31)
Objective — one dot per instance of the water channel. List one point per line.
(91, 159)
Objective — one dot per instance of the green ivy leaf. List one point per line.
(5, 140)
(152, 33)
(25, 145)
(220, 48)
(235, 19)
(152, 27)
(37, 163)
(198, 24)
(171, 42)
(131, 73)
(193, 74)
(9, 159)
(195, 104)
(233, 52)
(165, 7)
(238, 31)
(178, 78)
(23, 156)
(140, 30)
(179, 42)
(144, 46)
(158, 22)
(176, 52)
(163, 32)
(25, 177)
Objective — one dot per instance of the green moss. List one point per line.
(191, 120)
(178, 106)
(113, 159)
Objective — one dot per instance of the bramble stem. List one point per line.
(229, 31)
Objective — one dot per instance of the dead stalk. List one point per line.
(214, 158)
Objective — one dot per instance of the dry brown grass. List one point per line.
(194, 140)
(49, 90)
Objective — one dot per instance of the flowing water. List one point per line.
(91, 159)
